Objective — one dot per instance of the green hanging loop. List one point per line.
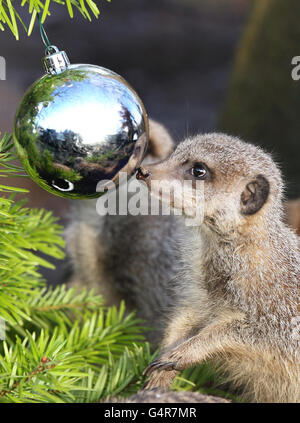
(43, 33)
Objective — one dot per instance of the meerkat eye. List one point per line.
(199, 170)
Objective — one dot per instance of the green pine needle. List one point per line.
(9, 16)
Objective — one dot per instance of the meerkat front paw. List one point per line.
(172, 360)
(160, 379)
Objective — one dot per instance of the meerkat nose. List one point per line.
(142, 173)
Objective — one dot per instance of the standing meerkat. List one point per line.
(238, 300)
(134, 258)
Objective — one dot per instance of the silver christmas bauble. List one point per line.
(79, 125)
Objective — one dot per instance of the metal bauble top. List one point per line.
(77, 126)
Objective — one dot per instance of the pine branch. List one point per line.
(34, 365)
(121, 377)
(9, 16)
(203, 378)
(83, 364)
(23, 233)
(6, 157)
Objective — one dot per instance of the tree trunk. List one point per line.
(263, 103)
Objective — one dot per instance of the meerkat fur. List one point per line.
(238, 294)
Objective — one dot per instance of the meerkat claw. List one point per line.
(148, 368)
(170, 365)
(159, 365)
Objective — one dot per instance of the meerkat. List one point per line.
(125, 257)
(238, 293)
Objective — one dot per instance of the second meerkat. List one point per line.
(238, 299)
(130, 257)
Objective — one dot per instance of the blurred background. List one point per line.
(198, 65)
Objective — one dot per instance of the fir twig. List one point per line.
(10, 17)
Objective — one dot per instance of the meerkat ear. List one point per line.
(254, 195)
(161, 144)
